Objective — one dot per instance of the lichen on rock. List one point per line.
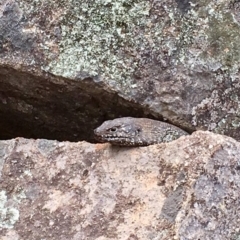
(97, 38)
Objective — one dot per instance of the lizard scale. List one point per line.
(129, 131)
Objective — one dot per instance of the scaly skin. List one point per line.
(128, 131)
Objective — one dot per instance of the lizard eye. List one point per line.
(113, 129)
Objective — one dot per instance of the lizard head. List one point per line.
(120, 131)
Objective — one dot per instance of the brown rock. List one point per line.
(186, 189)
(66, 66)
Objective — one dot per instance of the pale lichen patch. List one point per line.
(8, 215)
(57, 199)
(98, 39)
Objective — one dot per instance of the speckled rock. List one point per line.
(186, 189)
(77, 63)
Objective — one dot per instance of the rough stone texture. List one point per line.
(62, 63)
(186, 189)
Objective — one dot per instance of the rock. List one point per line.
(186, 189)
(66, 66)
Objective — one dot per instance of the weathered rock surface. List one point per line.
(66, 66)
(186, 189)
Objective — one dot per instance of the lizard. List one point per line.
(129, 131)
